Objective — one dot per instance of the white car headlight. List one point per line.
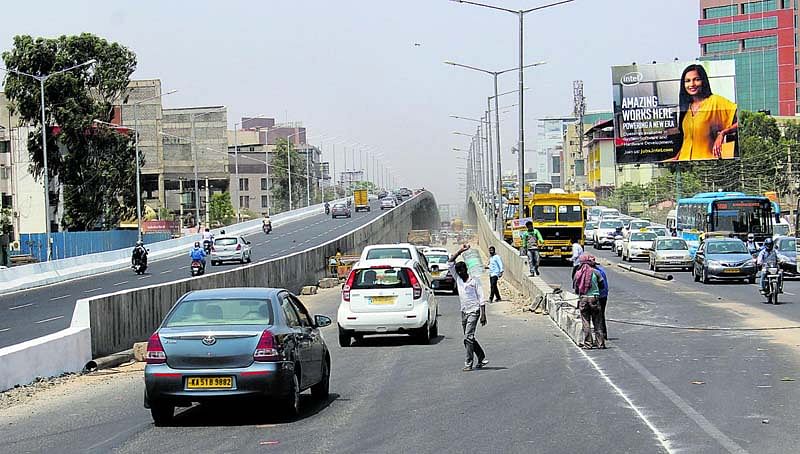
(714, 263)
(749, 262)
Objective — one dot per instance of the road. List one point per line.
(539, 394)
(36, 312)
(720, 380)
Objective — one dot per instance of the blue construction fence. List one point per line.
(72, 244)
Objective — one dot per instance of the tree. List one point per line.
(220, 209)
(280, 176)
(95, 165)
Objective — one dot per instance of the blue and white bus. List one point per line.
(732, 213)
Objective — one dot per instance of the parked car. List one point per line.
(786, 246)
(636, 246)
(670, 253)
(387, 296)
(588, 230)
(229, 248)
(442, 279)
(603, 234)
(725, 259)
(232, 343)
(340, 210)
(388, 203)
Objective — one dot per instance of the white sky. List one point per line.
(350, 69)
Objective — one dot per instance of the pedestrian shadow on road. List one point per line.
(399, 340)
(248, 413)
(491, 368)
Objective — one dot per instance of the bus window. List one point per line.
(544, 213)
(569, 213)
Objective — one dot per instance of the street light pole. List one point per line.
(42, 79)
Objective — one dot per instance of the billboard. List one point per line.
(672, 112)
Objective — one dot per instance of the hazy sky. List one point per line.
(350, 69)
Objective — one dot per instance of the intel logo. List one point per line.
(632, 78)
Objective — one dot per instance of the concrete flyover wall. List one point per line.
(561, 307)
(120, 319)
(39, 274)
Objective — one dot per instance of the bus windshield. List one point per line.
(744, 216)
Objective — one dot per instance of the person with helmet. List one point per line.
(769, 257)
(752, 246)
(208, 239)
(197, 253)
(139, 254)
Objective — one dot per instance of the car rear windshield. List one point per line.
(658, 231)
(787, 245)
(378, 278)
(246, 311)
(389, 253)
(225, 241)
(635, 225)
(590, 225)
(437, 259)
(673, 245)
(643, 236)
(610, 224)
(339, 205)
(727, 247)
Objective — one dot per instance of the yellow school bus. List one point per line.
(559, 218)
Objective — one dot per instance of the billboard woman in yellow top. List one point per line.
(704, 119)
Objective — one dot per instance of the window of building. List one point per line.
(5, 146)
(264, 186)
(5, 173)
(722, 46)
(264, 201)
(765, 41)
(6, 200)
(750, 25)
(244, 184)
(759, 7)
(720, 11)
(579, 168)
(244, 201)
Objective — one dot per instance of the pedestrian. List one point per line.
(577, 250)
(587, 284)
(473, 308)
(531, 239)
(603, 299)
(495, 273)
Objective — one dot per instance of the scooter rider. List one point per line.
(198, 253)
(139, 253)
(208, 239)
(327, 208)
(266, 223)
(768, 258)
(752, 246)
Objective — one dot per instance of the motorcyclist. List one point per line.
(266, 223)
(769, 257)
(198, 253)
(208, 239)
(752, 246)
(139, 254)
(327, 208)
(349, 202)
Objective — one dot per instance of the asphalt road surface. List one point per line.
(539, 394)
(29, 314)
(720, 378)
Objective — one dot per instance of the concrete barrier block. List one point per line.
(139, 351)
(309, 290)
(328, 282)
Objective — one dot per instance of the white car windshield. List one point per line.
(673, 244)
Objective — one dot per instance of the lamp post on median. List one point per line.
(42, 79)
(521, 139)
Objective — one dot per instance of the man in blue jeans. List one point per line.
(603, 299)
(473, 308)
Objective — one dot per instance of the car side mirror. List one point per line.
(246, 242)
(322, 321)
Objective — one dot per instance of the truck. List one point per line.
(419, 237)
(457, 225)
(361, 200)
(559, 218)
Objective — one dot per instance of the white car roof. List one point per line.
(397, 263)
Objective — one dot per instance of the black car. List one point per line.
(235, 343)
(442, 279)
(723, 259)
(787, 246)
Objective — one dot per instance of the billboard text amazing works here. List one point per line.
(660, 117)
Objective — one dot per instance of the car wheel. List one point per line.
(344, 338)
(695, 276)
(619, 252)
(751, 280)
(423, 335)
(455, 290)
(435, 328)
(704, 277)
(291, 402)
(651, 266)
(162, 413)
(321, 390)
(249, 258)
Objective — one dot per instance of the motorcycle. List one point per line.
(774, 284)
(266, 227)
(327, 210)
(207, 245)
(618, 245)
(139, 265)
(197, 268)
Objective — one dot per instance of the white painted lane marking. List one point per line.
(121, 283)
(93, 290)
(687, 409)
(3, 330)
(165, 272)
(662, 439)
(143, 277)
(59, 297)
(49, 319)
(20, 306)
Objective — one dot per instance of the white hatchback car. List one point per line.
(229, 248)
(406, 251)
(387, 296)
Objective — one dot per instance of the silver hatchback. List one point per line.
(235, 343)
(230, 248)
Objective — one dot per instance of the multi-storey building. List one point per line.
(550, 153)
(761, 36)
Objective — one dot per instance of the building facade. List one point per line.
(761, 36)
(550, 147)
(573, 164)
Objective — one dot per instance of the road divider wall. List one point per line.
(559, 304)
(46, 273)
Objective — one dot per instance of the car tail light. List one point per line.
(347, 285)
(412, 278)
(155, 351)
(238, 247)
(213, 249)
(265, 350)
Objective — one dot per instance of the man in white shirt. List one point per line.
(577, 251)
(473, 307)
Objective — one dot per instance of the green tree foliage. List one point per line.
(94, 164)
(220, 209)
(279, 174)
